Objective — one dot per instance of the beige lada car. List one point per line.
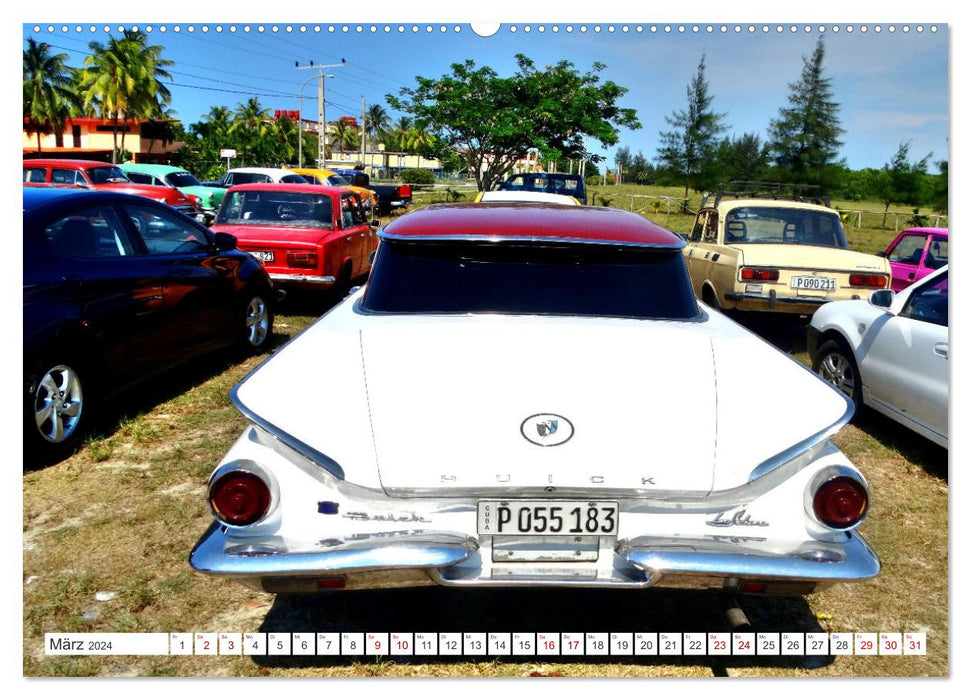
(776, 255)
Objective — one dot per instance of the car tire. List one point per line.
(343, 285)
(257, 323)
(835, 363)
(57, 401)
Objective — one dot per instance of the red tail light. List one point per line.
(876, 281)
(302, 258)
(760, 274)
(404, 191)
(239, 498)
(841, 502)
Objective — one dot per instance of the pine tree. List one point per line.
(804, 141)
(689, 149)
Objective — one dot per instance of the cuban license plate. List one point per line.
(818, 284)
(548, 518)
(263, 256)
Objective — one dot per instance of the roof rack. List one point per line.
(768, 190)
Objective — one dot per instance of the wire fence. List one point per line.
(863, 218)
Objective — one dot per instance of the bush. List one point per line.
(417, 176)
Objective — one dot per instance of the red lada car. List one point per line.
(93, 174)
(306, 236)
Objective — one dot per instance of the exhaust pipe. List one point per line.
(735, 616)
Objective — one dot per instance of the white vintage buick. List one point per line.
(530, 395)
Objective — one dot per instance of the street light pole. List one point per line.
(300, 122)
(321, 115)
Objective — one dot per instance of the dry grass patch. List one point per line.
(121, 515)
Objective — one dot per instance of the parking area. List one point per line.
(107, 533)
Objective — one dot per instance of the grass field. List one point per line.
(107, 532)
(659, 205)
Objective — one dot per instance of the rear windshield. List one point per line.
(562, 280)
(782, 225)
(182, 179)
(277, 209)
(107, 174)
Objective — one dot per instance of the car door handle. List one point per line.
(941, 350)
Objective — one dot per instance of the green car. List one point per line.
(171, 176)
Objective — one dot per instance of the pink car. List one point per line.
(915, 253)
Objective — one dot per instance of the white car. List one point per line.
(249, 176)
(890, 353)
(526, 196)
(530, 395)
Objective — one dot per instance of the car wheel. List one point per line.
(343, 285)
(55, 407)
(835, 363)
(257, 323)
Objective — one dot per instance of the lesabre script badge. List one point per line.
(546, 429)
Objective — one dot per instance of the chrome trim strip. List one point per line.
(858, 562)
(303, 279)
(532, 240)
(430, 550)
(290, 441)
(735, 296)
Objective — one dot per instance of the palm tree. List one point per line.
(123, 80)
(284, 136)
(252, 122)
(376, 120)
(48, 90)
(345, 137)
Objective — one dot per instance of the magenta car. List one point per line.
(914, 254)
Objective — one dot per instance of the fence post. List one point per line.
(859, 219)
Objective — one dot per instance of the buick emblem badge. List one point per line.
(546, 429)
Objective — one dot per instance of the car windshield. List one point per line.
(337, 181)
(107, 174)
(182, 179)
(277, 209)
(784, 225)
(249, 178)
(563, 280)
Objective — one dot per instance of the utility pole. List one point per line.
(363, 129)
(321, 102)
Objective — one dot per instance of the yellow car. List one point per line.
(776, 255)
(318, 176)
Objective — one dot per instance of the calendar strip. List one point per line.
(511, 645)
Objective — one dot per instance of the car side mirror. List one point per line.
(225, 242)
(375, 223)
(882, 298)
(882, 254)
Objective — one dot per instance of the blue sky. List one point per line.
(892, 86)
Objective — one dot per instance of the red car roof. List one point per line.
(527, 221)
(305, 188)
(66, 162)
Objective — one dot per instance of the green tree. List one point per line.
(376, 120)
(123, 80)
(743, 158)
(345, 137)
(938, 190)
(49, 95)
(900, 180)
(689, 149)
(250, 129)
(622, 159)
(493, 121)
(804, 141)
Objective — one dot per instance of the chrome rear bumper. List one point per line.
(454, 559)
